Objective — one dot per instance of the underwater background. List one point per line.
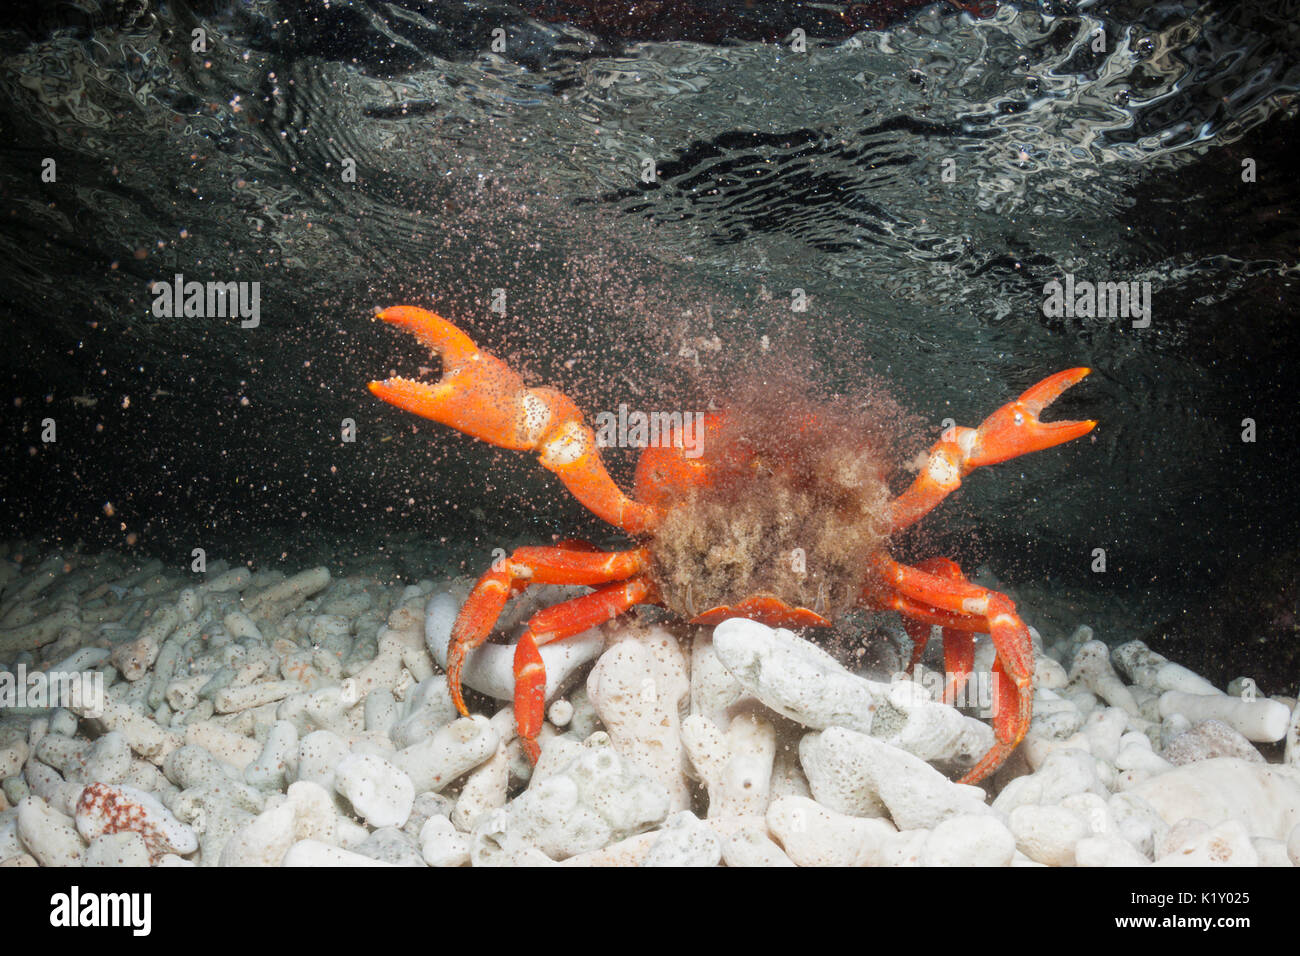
(919, 172)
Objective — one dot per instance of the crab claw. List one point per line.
(1014, 429)
(480, 395)
(477, 394)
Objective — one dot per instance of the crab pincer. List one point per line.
(478, 393)
(482, 396)
(1015, 428)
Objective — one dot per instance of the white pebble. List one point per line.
(1176, 677)
(1047, 834)
(854, 773)
(1260, 720)
(1064, 773)
(109, 760)
(685, 840)
(803, 682)
(736, 767)
(597, 799)
(1107, 849)
(752, 846)
(1265, 798)
(319, 753)
(636, 688)
(315, 853)
(969, 841)
(277, 759)
(560, 713)
(263, 841)
(441, 845)
(380, 792)
(815, 836)
(1092, 667)
(1227, 844)
(713, 688)
(48, 835)
(233, 748)
(118, 849)
(487, 784)
(236, 579)
(455, 749)
(1210, 739)
(794, 677)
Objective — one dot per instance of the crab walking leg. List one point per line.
(527, 566)
(958, 646)
(1014, 429)
(482, 396)
(1013, 671)
(556, 623)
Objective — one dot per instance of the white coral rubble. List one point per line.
(263, 719)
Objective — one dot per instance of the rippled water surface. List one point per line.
(920, 175)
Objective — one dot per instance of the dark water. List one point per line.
(920, 174)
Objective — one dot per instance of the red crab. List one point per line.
(752, 489)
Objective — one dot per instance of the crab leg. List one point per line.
(958, 647)
(482, 396)
(962, 605)
(553, 624)
(527, 566)
(1014, 429)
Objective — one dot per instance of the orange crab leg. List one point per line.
(958, 647)
(553, 624)
(985, 610)
(1014, 429)
(527, 566)
(482, 396)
